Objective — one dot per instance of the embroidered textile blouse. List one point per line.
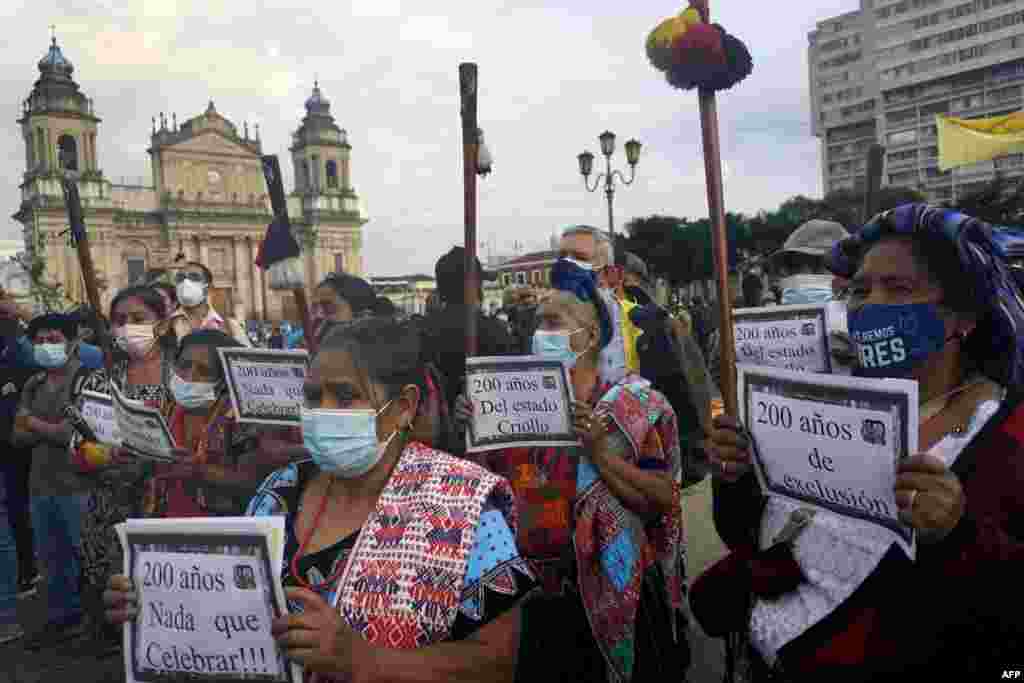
(489, 590)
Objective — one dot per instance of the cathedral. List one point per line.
(208, 200)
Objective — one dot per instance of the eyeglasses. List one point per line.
(194, 277)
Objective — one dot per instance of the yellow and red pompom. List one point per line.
(695, 54)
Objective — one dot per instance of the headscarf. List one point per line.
(568, 277)
(998, 341)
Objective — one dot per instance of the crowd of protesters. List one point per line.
(551, 564)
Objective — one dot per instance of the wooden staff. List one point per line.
(470, 146)
(874, 181)
(719, 237)
(80, 238)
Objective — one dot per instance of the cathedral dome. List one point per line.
(55, 63)
(317, 102)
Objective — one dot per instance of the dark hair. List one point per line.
(206, 271)
(149, 297)
(384, 307)
(215, 339)
(356, 292)
(389, 351)
(65, 324)
(169, 290)
(450, 275)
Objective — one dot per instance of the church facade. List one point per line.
(208, 200)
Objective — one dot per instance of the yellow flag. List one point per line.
(968, 141)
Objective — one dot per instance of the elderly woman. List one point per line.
(372, 501)
(602, 521)
(838, 601)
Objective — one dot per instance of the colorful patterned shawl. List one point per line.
(613, 546)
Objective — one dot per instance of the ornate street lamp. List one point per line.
(586, 162)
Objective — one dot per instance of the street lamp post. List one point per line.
(586, 161)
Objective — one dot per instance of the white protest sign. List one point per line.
(143, 430)
(266, 386)
(789, 337)
(831, 442)
(518, 401)
(98, 412)
(206, 604)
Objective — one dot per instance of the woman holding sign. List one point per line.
(821, 598)
(400, 560)
(601, 522)
(141, 370)
(219, 465)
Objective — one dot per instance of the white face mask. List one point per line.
(192, 395)
(191, 293)
(344, 442)
(806, 289)
(136, 340)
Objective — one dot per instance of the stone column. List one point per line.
(256, 302)
(238, 256)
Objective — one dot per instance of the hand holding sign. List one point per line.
(729, 449)
(318, 638)
(930, 497)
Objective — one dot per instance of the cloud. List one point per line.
(552, 77)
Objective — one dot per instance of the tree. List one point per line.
(999, 202)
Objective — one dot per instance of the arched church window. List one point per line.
(40, 148)
(332, 174)
(67, 149)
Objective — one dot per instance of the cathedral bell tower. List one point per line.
(59, 129)
(320, 152)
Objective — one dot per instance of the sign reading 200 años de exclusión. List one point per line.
(831, 442)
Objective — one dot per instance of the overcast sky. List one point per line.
(552, 77)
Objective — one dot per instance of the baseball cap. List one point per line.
(450, 272)
(635, 265)
(813, 238)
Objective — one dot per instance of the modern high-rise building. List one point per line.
(881, 74)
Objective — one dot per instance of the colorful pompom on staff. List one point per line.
(694, 54)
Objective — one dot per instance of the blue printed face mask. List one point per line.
(557, 346)
(892, 340)
(582, 265)
(51, 355)
(344, 442)
(806, 290)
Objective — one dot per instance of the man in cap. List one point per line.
(800, 264)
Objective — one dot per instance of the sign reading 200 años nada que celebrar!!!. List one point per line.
(208, 595)
(266, 385)
(518, 401)
(833, 443)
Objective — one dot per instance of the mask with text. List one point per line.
(893, 340)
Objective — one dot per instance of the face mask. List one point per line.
(344, 442)
(806, 289)
(192, 395)
(191, 293)
(892, 340)
(582, 265)
(556, 346)
(136, 340)
(51, 355)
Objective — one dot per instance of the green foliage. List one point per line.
(51, 297)
(1000, 202)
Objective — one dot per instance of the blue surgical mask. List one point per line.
(192, 395)
(806, 290)
(893, 340)
(344, 442)
(51, 355)
(556, 346)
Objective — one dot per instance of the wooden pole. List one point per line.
(76, 222)
(874, 182)
(470, 145)
(719, 238)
